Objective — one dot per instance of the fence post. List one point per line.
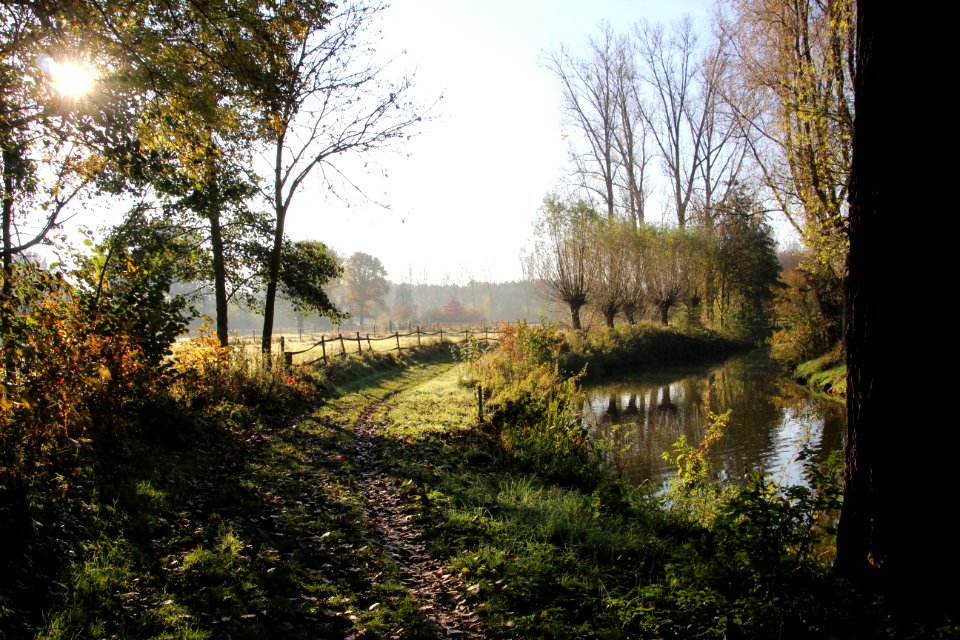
(323, 347)
(479, 403)
(418, 335)
(486, 340)
(343, 349)
(282, 348)
(288, 360)
(441, 335)
(397, 336)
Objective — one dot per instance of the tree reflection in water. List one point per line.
(643, 414)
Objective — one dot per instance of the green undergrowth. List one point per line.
(641, 345)
(825, 375)
(239, 520)
(547, 559)
(246, 520)
(551, 545)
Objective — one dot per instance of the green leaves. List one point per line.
(306, 268)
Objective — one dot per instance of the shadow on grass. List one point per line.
(249, 527)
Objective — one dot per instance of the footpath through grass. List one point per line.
(258, 530)
(253, 532)
(542, 560)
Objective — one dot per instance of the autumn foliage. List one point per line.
(72, 377)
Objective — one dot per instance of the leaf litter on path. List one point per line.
(441, 593)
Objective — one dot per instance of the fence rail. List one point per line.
(339, 345)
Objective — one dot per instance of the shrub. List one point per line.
(77, 364)
(536, 408)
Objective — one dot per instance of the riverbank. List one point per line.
(826, 375)
(642, 345)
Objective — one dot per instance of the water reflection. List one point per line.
(644, 414)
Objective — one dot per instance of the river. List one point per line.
(644, 413)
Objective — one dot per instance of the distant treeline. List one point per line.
(405, 304)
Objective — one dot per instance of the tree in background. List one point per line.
(404, 306)
(609, 267)
(637, 296)
(366, 280)
(305, 271)
(320, 96)
(670, 66)
(590, 99)
(559, 260)
(791, 92)
(747, 269)
(672, 257)
(454, 311)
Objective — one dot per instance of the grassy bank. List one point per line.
(561, 558)
(646, 344)
(826, 375)
(243, 516)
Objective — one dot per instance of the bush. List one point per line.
(535, 408)
(72, 375)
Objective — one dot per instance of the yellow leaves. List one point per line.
(104, 373)
(278, 125)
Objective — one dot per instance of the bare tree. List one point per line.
(591, 104)
(670, 66)
(559, 260)
(323, 96)
(723, 147)
(632, 138)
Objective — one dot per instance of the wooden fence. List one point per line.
(340, 344)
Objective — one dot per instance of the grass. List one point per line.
(544, 560)
(309, 344)
(252, 526)
(243, 529)
(826, 375)
(644, 344)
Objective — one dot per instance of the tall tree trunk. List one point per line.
(896, 530)
(664, 311)
(273, 267)
(10, 157)
(273, 276)
(216, 244)
(219, 277)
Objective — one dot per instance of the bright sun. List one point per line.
(72, 79)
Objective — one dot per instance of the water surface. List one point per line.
(644, 413)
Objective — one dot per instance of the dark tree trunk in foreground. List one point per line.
(897, 533)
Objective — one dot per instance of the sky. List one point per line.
(463, 193)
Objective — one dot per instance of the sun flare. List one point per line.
(72, 79)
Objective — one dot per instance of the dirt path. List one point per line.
(442, 594)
